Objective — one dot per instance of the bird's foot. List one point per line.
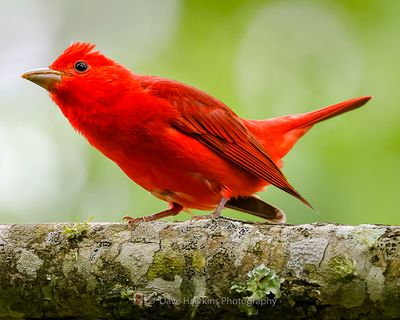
(131, 221)
(213, 215)
(174, 210)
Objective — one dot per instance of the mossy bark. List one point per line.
(162, 270)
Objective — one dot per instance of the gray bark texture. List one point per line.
(179, 270)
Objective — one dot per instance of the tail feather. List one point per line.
(311, 118)
(278, 135)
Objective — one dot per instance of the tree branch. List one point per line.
(163, 270)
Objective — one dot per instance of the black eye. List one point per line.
(81, 66)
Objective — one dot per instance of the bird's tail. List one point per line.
(308, 119)
(278, 135)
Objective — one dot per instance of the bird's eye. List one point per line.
(81, 66)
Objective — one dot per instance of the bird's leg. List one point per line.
(216, 213)
(172, 211)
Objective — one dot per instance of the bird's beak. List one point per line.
(45, 78)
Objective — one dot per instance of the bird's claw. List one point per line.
(203, 217)
(131, 221)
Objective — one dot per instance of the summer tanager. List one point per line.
(179, 143)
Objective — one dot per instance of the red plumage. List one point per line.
(179, 143)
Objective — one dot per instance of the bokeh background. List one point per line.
(262, 58)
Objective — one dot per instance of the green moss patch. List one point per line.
(166, 265)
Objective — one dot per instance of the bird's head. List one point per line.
(81, 78)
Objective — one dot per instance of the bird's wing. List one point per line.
(211, 122)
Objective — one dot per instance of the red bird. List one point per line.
(179, 143)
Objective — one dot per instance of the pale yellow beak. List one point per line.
(45, 77)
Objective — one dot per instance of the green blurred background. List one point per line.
(262, 58)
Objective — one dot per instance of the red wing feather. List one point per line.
(211, 122)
